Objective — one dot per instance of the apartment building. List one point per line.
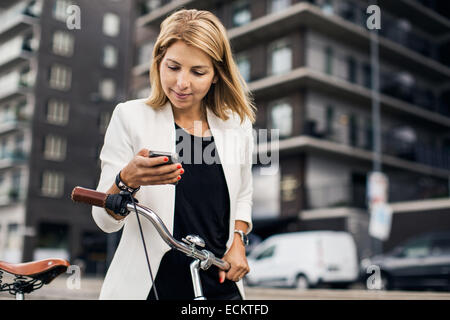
(308, 65)
(62, 71)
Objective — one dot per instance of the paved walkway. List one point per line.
(90, 288)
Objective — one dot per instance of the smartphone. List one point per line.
(173, 158)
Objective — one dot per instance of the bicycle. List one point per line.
(122, 203)
(31, 276)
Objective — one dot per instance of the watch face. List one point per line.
(245, 239)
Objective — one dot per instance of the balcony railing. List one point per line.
(393, 28)
(354, 195)
(15, 81)
(11, 158)
(13, 122)
(21, 14)
(335, 195)
(402, 143)
(395, 83)
(15, 51)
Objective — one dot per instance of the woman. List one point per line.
(199, 107)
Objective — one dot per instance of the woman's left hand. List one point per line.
(237, 259)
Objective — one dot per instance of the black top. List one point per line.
(202, 207)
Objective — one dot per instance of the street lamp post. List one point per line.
(376, 118)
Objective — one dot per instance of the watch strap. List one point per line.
(122, 186)
(244, 237)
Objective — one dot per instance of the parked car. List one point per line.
(303, 260)
(421, 262)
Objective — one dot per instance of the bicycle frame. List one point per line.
(203, 259)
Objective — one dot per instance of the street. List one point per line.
(90, 288)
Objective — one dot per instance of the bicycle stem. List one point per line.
(203, 255)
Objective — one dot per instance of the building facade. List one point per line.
(62, 71)
(308, 65)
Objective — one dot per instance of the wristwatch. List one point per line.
(122, 186)
(244, 237)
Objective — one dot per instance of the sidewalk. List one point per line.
(90, 289)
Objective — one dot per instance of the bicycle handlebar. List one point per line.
(100, 199)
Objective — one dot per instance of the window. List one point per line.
(367, 75)
(281, 118)
(354, 130)
(57, 112)
(3, 149)
(52, 235)
(327, 7)
(27, 77)
(145, 53)
(54, 148)
(351, 62)
(280, 58)
(241, 13)
(266, 253)
(329, 120)
(52, 184)
(109, 56)
(417, 248)
(107, 89)
(60, 77)
(150, 5)
(111, 24)
(105, 117)
(63, 43)
(329, 60)
(243, 64)
(60, 9)
(14, 193)
(440, 246)
(278, 5)
(18, 153)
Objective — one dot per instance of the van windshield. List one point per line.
(267, 253)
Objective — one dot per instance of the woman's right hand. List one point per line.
(144, 171)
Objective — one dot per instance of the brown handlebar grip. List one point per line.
(89, 196)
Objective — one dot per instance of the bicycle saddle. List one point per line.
(44, 270)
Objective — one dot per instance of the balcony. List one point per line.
(16, 19)
(16, 84)
(12, 195)
(334, 196)
(355, 35)
(331, 196)
(14, 123)
(155, 17)
(7, 3)
(402, 142)
(354, 146)
(12, 158)
(16, 51)
(424, 17)
(279, 85)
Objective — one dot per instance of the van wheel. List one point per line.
(301, 282)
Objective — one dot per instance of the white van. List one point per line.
(304, 259)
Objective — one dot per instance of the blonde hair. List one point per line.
(203, 30)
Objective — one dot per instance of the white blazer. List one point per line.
(133, 126)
